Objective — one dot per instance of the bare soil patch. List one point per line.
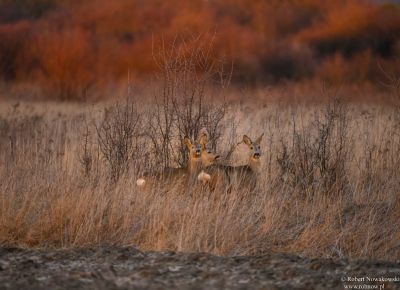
(129, 268)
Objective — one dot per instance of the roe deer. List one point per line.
(199, 159)
(245, 175)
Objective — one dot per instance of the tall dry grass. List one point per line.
(329, 185)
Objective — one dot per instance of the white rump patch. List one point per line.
(204, 177)
(140, 182)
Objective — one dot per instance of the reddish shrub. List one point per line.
(68, 46)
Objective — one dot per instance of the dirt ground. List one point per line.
(129, 268)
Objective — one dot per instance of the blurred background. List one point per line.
(69, 49)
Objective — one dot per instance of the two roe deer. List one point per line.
(199, 159)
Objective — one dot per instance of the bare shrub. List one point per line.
(117, 136)
(86, 153)
(183, 104)
(319, 151)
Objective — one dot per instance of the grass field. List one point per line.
(329, 184)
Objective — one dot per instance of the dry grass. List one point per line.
(49, 198)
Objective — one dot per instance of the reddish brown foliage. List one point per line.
(68, 47)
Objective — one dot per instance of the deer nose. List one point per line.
(257, 154)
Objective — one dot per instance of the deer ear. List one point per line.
(247, 140)
(187, 142)
(259, 139)
(203, 140)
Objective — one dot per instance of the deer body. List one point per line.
(227, 176)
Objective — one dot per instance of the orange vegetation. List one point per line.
(69, 46)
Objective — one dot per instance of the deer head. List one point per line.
(195, 149)
(254, 150)
(207, 156)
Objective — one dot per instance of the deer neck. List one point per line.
(255, 164)
(194, 166)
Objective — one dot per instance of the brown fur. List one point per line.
(224, 176)
(199, 159)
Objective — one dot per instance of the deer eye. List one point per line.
(251, 147)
